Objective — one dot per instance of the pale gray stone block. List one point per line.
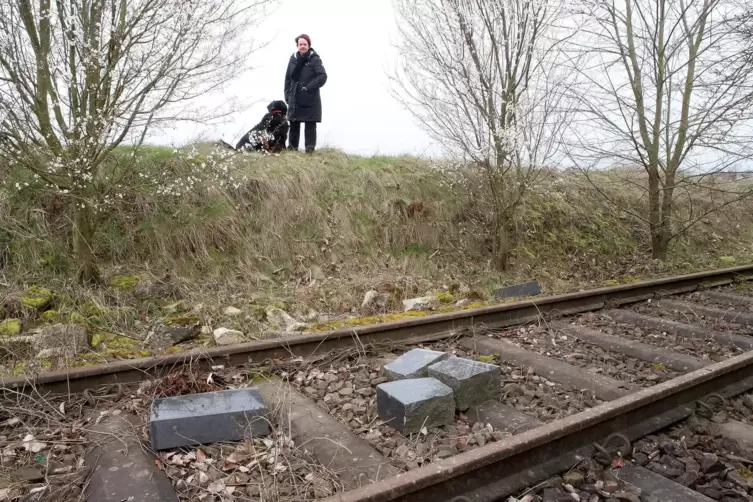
(413, 364)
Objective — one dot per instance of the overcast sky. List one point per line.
(355, 41)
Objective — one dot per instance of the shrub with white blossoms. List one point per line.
(487, 88)
(79, 79)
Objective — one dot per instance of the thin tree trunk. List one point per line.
(655, 214)
(83, 239)
(501, 248)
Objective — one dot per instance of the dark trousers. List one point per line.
(309, 138)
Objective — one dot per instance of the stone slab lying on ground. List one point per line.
(527, 289)
(121, 468)
(413, 364)
(355, 461)
(408, 405)
(472, 382)
(210, 417)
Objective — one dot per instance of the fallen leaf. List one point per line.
(62, 408)
(200, 455)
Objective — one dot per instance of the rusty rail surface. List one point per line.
(500, 469)
(432, 327)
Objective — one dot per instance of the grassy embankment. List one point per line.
(315, 233)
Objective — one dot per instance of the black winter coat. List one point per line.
(303, 79)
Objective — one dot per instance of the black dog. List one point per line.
(269, 134)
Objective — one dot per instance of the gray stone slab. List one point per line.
(413, 364)
(472, 382)
(121, 469)
(211, 417)
(527, 289)
(662, 488)
(408, 405)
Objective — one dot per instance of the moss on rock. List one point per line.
(124, 283)
(367, 321)
(445, 297)
(728, 260)
(10, 327)
(51, 316)
(178, 320)
(36, 297)
(259, 313)
(113, 345)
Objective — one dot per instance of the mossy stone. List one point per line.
(125, 283)
(445, 297)
(115, 343)
(37, 297)
(10, 327)
(186, 320)
(51, 316)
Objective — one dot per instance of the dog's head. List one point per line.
(278, 105)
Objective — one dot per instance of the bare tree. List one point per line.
(79, 78)
(478, 75)
(664, 87)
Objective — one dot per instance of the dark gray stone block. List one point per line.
(413, 364)
(472, 382)
(408, 405)
(526, 289)
(211, 417)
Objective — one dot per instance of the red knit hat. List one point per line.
(305, 37)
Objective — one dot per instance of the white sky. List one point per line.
(355, 40)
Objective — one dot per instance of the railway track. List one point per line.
(634, 392)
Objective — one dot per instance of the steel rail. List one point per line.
(432, 327)
(500, 469)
